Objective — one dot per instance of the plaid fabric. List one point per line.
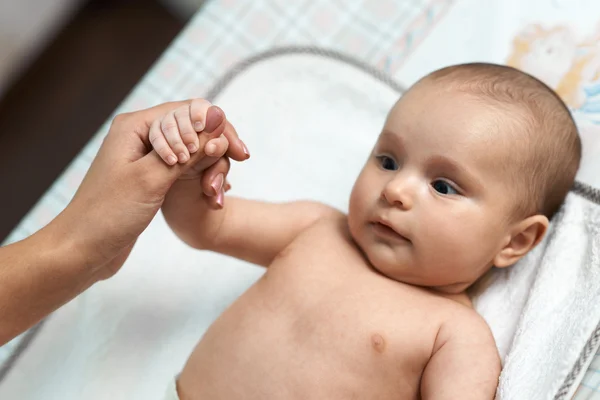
(381, 33)
(589, 389)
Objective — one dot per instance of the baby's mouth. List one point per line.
(381, 228)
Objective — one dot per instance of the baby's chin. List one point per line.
(382, 265)
(408, 274)
(384, 262)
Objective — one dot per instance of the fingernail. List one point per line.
(192, 147)
(217, 184)
(199, 126)
(220, 199)
(171, 159)
(210, 148)
(183, 157)
(246, 152)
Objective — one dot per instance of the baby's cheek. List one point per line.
(475, 242)
(358, 202)
(452, 238)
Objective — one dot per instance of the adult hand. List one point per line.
(174, 138)
(127, 182)
(122, 191)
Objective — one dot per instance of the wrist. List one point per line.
(184, 193)
(188, 213)
(61, 241)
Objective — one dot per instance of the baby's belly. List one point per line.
(274, 343)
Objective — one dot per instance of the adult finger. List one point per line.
(215, 125)
(237, 148)
(216, 147)
(215, 177)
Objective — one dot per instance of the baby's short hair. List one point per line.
(549, 152)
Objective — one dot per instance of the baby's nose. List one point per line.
(399, 192)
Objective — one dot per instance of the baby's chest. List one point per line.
(333, 301)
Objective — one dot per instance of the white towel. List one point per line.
(544, 309)
(310, 124)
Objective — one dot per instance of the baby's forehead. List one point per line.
(480, 137)
(456, 120)
(475, 152)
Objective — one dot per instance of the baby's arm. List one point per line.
(254, 231)
(465, 363)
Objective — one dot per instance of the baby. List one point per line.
(471, 164)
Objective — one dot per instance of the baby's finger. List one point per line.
(198, 110)
(160, 145)
(213, 150)
(214, 178)
(216, 147)
(186, 130)
(227, 186)
(215, 124)
(170, 129)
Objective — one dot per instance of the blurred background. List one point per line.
(65, 65)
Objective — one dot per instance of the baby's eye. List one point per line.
(387, 163)
(443, 187)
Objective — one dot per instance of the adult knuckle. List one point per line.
(120, 119)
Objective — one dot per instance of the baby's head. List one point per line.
(472, 163)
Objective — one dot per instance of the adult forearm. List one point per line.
(38, 275)
(188, 213)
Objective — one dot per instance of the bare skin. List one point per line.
(321, 324)
(372, 304)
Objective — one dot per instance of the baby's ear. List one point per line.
(524, 237)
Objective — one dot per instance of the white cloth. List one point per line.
(171, 393)
(544, 309)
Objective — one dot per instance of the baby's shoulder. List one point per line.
(329, 219)
(318, 212)
(463, 323)
(323, 222)
(464, 357)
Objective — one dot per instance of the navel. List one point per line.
(378, 342)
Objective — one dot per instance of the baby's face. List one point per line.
(432, 206)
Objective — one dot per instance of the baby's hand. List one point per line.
(175, 136)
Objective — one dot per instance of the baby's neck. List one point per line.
(461, 298)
